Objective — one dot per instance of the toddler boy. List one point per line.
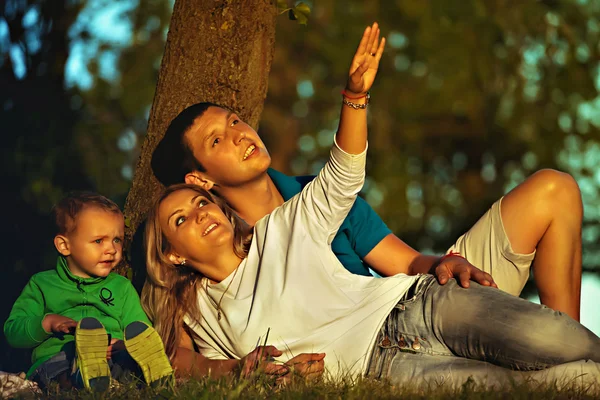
(68, 314)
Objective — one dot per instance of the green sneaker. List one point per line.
(145, 346)
(91, 343)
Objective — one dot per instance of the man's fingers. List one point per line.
(480, 277)
(465, 278)
(442, 278)
(442, 274)
(483, 278)
(490, 279)
(493, 284)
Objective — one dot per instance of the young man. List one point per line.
(210, 146)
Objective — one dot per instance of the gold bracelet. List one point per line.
(358, 106)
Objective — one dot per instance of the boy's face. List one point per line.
(95, 246)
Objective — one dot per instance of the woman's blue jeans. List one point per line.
(449, 333)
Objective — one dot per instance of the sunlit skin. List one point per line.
(219, 137)
(219, 141)
(199, 233)
(95, 246)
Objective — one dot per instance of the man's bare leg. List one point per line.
(545, 214)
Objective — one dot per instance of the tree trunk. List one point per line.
(218, 51)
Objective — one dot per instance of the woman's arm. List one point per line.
(352, 130)
(326, 201)
(188, 363)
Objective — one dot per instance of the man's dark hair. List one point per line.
(173, 157)
(65, 212)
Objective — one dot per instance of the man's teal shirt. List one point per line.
(360, 232)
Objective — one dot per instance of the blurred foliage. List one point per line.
(472, 97)
(74, 98)
(300, 12)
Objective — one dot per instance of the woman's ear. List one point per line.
(62, 245)
(196, 178)
(175, 259)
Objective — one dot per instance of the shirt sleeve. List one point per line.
(367, 228)
(325, 202)
(23, 328)
(132, 307)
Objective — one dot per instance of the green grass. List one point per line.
(359, 389)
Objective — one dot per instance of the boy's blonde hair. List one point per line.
(171, 290)
(65, 212)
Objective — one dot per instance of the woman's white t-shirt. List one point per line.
(293, 285)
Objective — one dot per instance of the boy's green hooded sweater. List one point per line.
(111, 300)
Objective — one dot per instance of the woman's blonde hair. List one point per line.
(171, 290)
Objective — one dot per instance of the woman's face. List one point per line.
(196, 229)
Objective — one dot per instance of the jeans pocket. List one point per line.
(416, 290)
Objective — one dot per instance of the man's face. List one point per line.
(231, 151)
(95, 247)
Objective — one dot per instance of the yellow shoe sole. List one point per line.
(146, 347)
(91, 343)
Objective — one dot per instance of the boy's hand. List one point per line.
(115, 346)
(366, 61)
(55, 323)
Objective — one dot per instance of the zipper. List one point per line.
(84, 295)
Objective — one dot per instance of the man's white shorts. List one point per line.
(487, 247)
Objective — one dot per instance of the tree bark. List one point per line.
(218, 51)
